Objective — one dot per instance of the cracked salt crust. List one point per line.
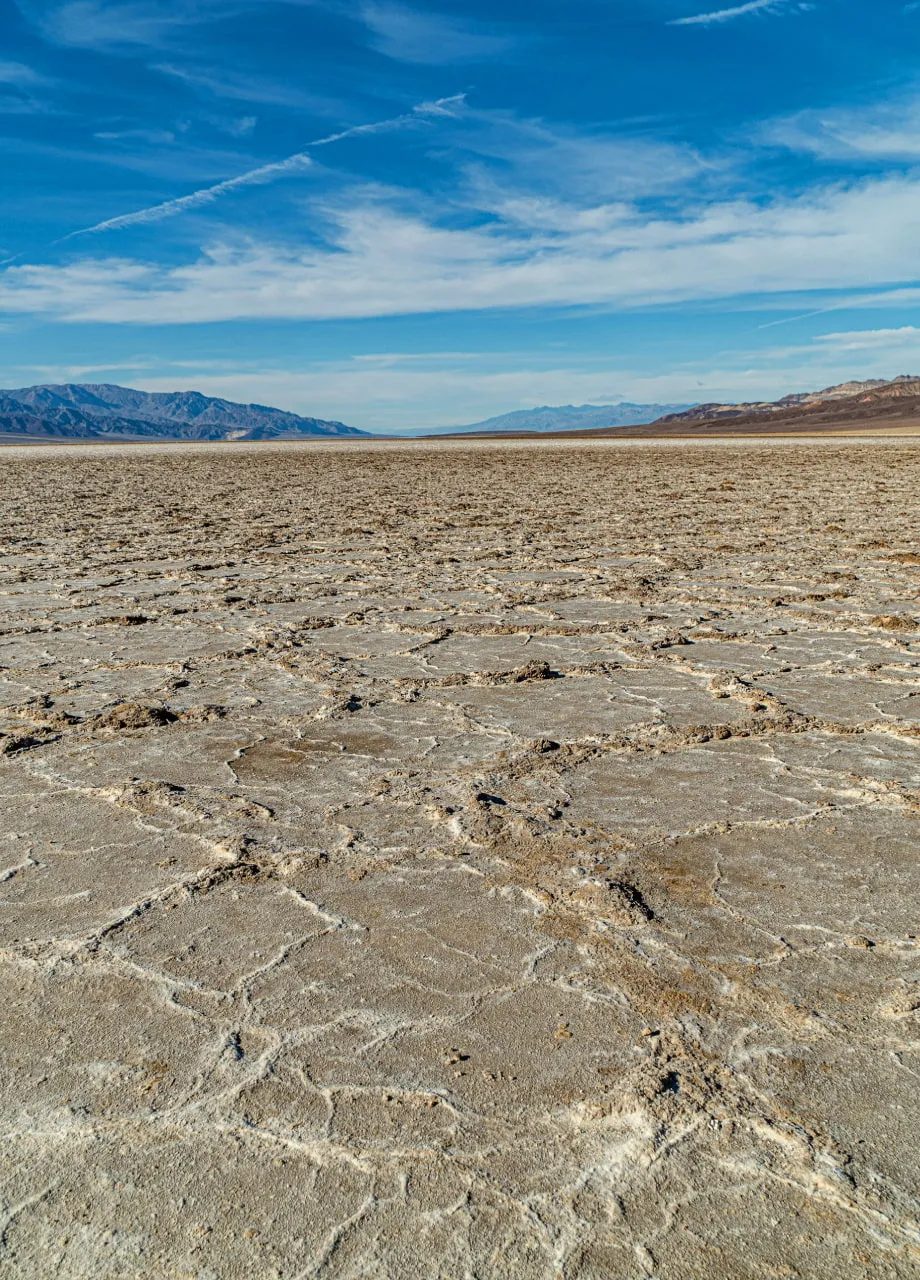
(439, 861)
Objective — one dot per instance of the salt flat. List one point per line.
(432, 860)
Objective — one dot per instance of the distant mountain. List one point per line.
(80, 411)
(568, 417)
(870, 403)
(846, 401)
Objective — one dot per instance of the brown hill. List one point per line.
(848, 403)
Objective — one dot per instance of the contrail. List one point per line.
(806, 315)
(723, 15)
(171, 207)
(853, 303)
(265, 173)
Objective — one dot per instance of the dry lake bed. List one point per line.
(442, 861)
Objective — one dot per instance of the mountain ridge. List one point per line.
(91, 411)
(105, 411)
(566, 417)
(859, 391)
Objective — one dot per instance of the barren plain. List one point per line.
(460, 861)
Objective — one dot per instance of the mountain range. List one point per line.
(101, 411)
(90, 411)
(567, 417)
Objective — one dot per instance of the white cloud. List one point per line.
(381, 261)
(396, 30)
(156, 137)
(102, 23)
(18, 83)
(240, 127)
(127, 25)
(878, 132)
(411, 35)
(521, 157)
(19, 75)
(904, 339)
(243, 86)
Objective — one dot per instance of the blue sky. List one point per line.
(408, 215)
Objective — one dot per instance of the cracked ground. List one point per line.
(435, 861)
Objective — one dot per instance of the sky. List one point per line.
(411, 215)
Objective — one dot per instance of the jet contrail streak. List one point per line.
(723, 15)
(265, 173)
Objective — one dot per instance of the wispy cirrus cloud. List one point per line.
(237, 126)
(903, 341)
(19, 89)
(379, 260)
(107, 23)
(413, 35)
(154, 157)
(878, 132)
(128, 25)
(18, 74)
(155, 137)
(17, 104)
(399, 31)
(512, 157)
(243, 86)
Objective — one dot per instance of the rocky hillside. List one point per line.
(81, 411)
(856, 401)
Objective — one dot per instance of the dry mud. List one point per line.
(463, 862)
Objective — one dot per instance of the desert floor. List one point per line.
(460, 861)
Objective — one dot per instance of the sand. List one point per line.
(460, 861)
